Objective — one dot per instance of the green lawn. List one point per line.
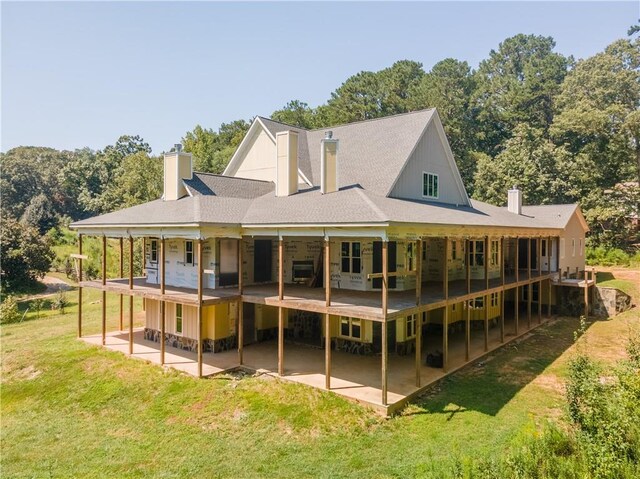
(73, 410)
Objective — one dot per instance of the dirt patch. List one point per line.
(550, 382)
(28, 373)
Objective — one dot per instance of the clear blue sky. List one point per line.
(82, 74)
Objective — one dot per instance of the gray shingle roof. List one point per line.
(227, 186)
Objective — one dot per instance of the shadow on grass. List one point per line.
(488, 385)
(602, 276)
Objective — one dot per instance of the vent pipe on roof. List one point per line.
(286, 163)
(178, 166)
(514, 201)
(328, 164)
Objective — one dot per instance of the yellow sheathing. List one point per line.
(152, 314)
(267, 317)
(219, 320)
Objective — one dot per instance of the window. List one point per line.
(411, 326)
(561, 247)
(477, 303)
(454, 249)
(580, 246)
(573, 246)
(494, 299)
(188, 253)
(476, 253)
(543, 247)
(494, 252)
(430, 185)
(178, 319)
(351, 258)
(410, 262)
(350, 328)
(424, 250)
(154, 251)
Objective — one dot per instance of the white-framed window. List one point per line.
(495, 247)
(154, 251)
(573, 246)
(494, 299)
(454, 249)
(188, 253)
(477, 303)
(562, 246)
(350, 328)
(476, 253)
(351, 257)
(411, 326)
(580, 246)
(430, 186)
(178, 319)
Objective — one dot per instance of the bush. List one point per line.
(608, 257)
(60, 302)
(9, 312)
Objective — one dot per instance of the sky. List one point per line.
(81, 74)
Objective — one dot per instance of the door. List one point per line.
(262, 261)
(228, 262)
(248, 323)
(377, 263)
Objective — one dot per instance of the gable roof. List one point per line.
(227, 186)
(556, 216)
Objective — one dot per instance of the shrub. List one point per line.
(9, 312)
(607, 257)
(60, 302)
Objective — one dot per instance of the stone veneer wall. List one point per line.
(189, 344)
(610, 301)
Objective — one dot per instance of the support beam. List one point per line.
(418, 321)
(467, 256)
(445, 322)
(144, 268)
(502, 280)
(517, 309)
(385, 302)
(327, 351)
(467, 330)
(418, 267)
(280, 269)
(131, 295)
(586, 294)
(487, 256)
(104, 293)
(80, 287)
(200, 285)
(240, 305)
(539, 302)
(486, 322)
(121, 276)
(502, 316)
(163, 305)
(327, 273)
(529, 258)
(549, 259)
(280, 340)
(517, 260)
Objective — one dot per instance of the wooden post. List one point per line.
(517, 309)
(327, 351)
(445, 322)
(199, 326)
(529, 297)
(539, 252)
(104, 291)
(487, 256)
(280, 309)
(163, 308)
(517, 261)
(240, 304)
(144, 268)
(385, 302)
(540, 302)
(130, 295)
(502, 281)
(327, 316)
(549, 259)
(529, 259)
(418, 321)
(467, 245)
(586, 294)
(121, 276)
(467, 330)
(80, 286)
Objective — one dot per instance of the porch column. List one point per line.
(327, 316)
(586, 294)
(104, 291)
(130, 294)
(80, 285)
(529, 285)
(502, 251)
(467, 330)
(487, 255)
(199, 332)
(419, 313)
(467, 246)
(163, 312)
(517, 309)
(385, 299)
(539, 282)
(445, 319)
(144, 268)
(280, 309)
(240, 305)
(549, 258)
(517, 261)
(121, 276)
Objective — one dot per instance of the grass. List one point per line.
(73, 410)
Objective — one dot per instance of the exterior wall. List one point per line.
(429, 156)
(433, 260)
(568, 259)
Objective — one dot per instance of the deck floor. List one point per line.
(355, 377)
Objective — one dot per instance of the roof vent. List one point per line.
(177, 147)
(514, 201)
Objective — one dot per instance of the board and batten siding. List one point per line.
(572, 232)
(429, 156)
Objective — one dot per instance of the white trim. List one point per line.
(435, 175)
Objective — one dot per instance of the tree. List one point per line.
(141, 180)
(518, 83)
(212, 151)
(39, 214)
(26, 255)
(295, 113)
(201, 142)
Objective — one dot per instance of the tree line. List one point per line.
(562, 130)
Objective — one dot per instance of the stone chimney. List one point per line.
(328, 164)
(178, 166)
(286, 163)
(514, 201)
